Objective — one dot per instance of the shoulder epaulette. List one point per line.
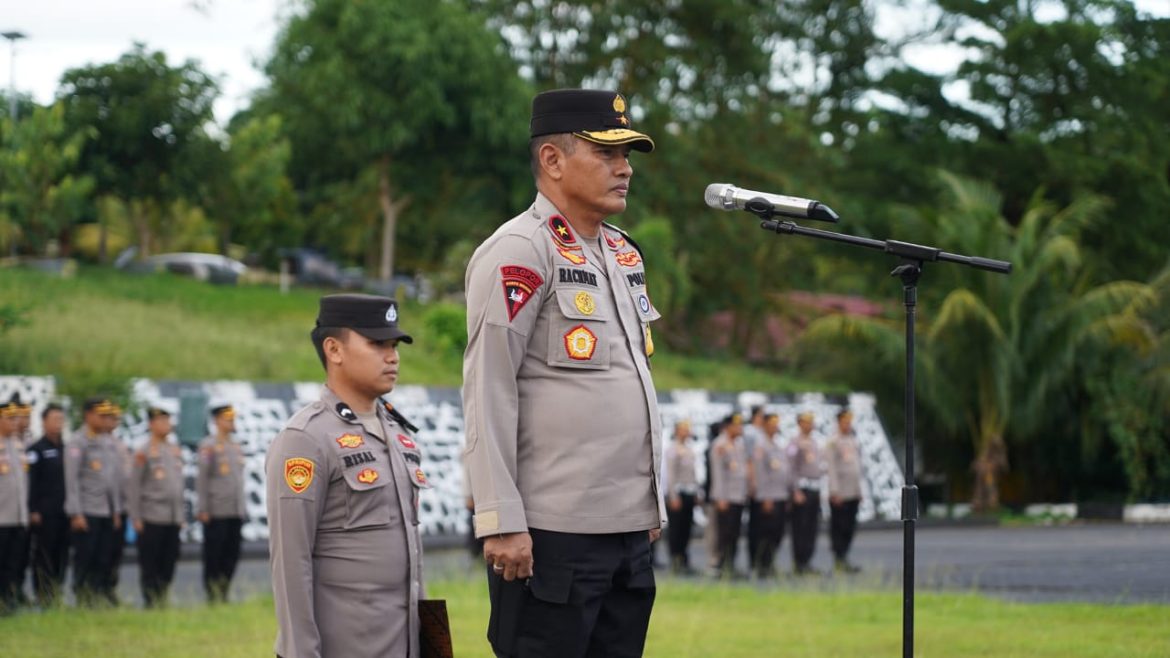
(301, 419)
(398, 417)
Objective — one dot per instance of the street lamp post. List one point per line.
(13, 36)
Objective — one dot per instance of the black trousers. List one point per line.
(842, 526)
(805, 521)
(754, 527)
(13, 548)
(93, 558)
(589, 596)
(221, 553)
(771, 529)
(730, 527)
(679, 526)
(50, 552)
(119, 548)
(158, 550)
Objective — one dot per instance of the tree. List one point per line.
(998, 354)
(144, 114)
(412, 90)
(41, 193)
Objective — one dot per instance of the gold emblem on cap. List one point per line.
(584, 302)
(619, 103)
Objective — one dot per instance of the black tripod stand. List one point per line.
(913, 255)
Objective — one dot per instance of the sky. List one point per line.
(228, 38)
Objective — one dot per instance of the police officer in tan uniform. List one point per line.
(808, 469)
(155, 502)
(682, 487)
(561, 415)
(219, 488)
(93, 501)
(13, 509)
(844, 457)
(771, 485)
(343, 481)
(729, 489)
(125, 461)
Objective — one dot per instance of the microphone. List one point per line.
(724, 196)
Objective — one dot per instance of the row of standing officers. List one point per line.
(778, 484)
(56, 496)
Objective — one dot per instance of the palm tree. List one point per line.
(996, 351)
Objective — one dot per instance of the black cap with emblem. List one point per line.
(374, 317)
(593, 115)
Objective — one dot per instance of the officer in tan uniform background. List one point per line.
(343, 481)
(808, 468)
(729, 490)
(560, 409)
(93, 501)
(219, 487)
(844, 461)
(155, 502)
(771, 485)
(13, 509)
(682, 490)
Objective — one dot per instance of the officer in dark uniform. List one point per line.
(155, 502)
(343, 480)
(46, 503)
(219, 488)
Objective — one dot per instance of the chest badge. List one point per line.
(406, 442)
(420, 477)
(572, 254)
(4, 468)
(629, 258)
(95, 465)
(350, 441)
(367, 476)
(298, 474)
(580, 343)
(585, 303)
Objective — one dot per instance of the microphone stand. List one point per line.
(912, 256)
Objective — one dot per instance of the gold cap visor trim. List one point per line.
(616, 136)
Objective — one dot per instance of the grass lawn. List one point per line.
(101, 327)
(689, 620)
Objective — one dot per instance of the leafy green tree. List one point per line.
(411, 90)
(41, 193)
(144, 114)
(998, 354)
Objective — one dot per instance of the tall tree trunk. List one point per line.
(140, 217)
(391, 208)
(990, 464)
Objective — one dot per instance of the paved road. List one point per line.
(1108, 563)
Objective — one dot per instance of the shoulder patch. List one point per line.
(298, 473)
(561, 231)
(520, 284)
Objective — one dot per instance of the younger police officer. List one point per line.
(219, 488)
(343, 481)
(13, 509)
(155, 501)
(93, 501)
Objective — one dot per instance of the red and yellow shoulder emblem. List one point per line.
(572, 254)
(420, 477)
(367, 476)
(614, 242)
(406, 442)
(561, 231)
(298, 473)
(520, 284)
(350, 441)
(629, 258)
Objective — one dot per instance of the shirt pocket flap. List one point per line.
(367, 477)
(579, 304)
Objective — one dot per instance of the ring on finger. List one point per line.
(497, 567)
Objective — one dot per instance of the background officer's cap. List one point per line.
(374, 317)
(222, 409)
(155, 412)
(101, 405)
(594, 115)
(10, 409)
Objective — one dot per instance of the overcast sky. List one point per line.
(228, 37)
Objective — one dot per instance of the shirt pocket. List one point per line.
(646, 311)
(367, 501)
(579, 329)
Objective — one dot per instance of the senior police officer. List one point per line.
(343, 481)
(560, 409)
(772, 487)
(93, 501)
(729, 490)
(155, 502)
(808, 468)
(219, 488)
(13, 509)
(844, 460)
(48, 524)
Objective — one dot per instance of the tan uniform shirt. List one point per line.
(343, 534)
(155, 487)
(808, 465)
(771, 470)
(680, 469)
(729, 468)
(219, 484)
(93, 476)
(844, 467)
(560, 411)
(13, 482)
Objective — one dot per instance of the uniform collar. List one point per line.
(342, 410)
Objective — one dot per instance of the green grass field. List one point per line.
(690, 620)
(97, 329)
